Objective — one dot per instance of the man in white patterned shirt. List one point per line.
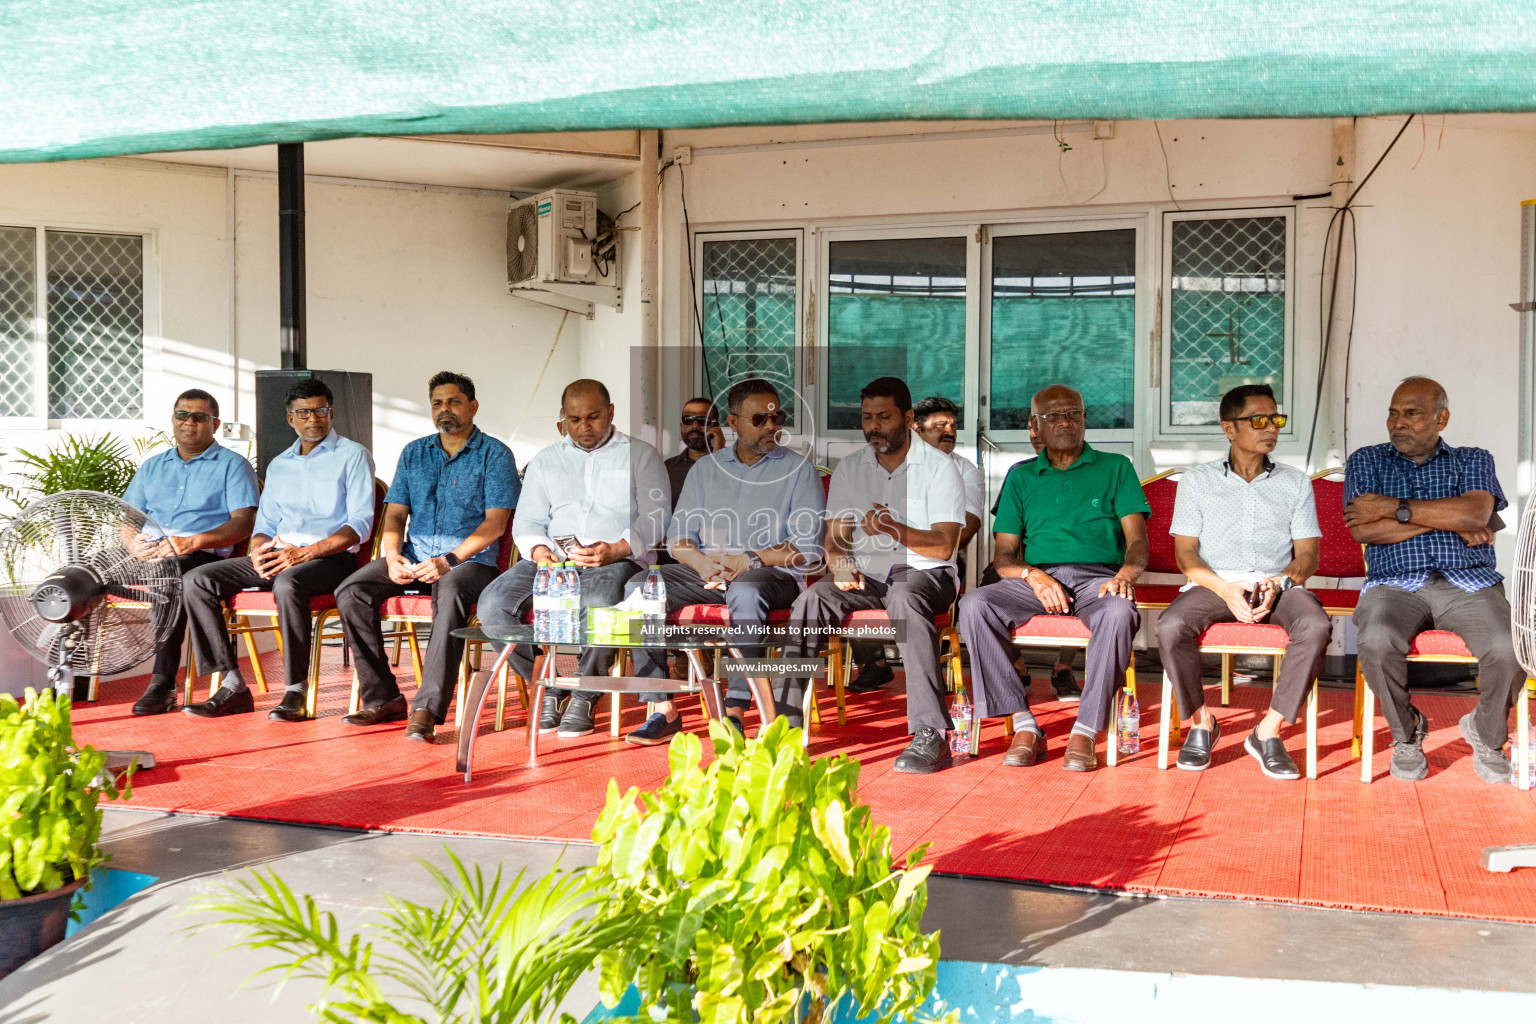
(1245, 533)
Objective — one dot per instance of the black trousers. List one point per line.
(510, 597)
(911, 597)
(168, 655)
(358, 600)
(1192, 612)
(749, 597)
(206, 589)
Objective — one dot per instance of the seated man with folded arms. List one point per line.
(458, 488)
(204, 496)
(1071, 539)
(1241, 525)
(894, 515)
(1427, 513)
(935, 419)
(315, 512)
(598, 498)
(746, 527)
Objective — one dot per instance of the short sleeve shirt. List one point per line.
(448, 496)
(975, 487)
(1071, 516)
(189, 496)
(923, 490)
(1245, 527)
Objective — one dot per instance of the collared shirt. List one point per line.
(677, 472)
(189, 496)
(309, 497)
(728, 507)
(975, 486)
(1245, 528)
(1071, 516)
(448, 495)
(617, 491)
(1448, 473)
(923, 490)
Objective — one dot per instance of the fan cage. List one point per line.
(1522, 608)
(522, 222)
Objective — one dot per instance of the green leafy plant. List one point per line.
(765, 892)
(50, 824)
(488, 954)
(74, 464)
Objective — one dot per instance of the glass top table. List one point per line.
(677, 638)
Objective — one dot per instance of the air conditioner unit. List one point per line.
(562, 251)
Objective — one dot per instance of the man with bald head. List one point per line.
(1070, 538)
(598, 498)
(1426, 513)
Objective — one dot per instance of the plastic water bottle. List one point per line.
(1514, 757)
(653, 613)
(960, 736)
(1129, 716)
(557, 588)
(541, 625)
(573, 603)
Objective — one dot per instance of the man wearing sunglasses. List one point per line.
(1427, 513)
(316, 511)
(746, 529)
(1070, 539)
(204, 496)
(1245, 533)
(895, 511)
(700, 431)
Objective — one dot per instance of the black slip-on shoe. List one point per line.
(1195, 755)
(872, 677)
(577, 720)
(157, 700)
(292, 708)
(656, 730)
(554, 706)
(1068, 689)
(927, 753)
(223, 702)
(1272, 757)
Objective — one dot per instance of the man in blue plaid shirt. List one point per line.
(1426, 513)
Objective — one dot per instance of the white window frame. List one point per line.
(39, 419)
(805, 402)
(1166, 429)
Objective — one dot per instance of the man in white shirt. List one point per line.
(598, 498)
(894, 515)
(1245, 533)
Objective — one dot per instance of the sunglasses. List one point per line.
(777, 418)
(1263, 420)
(306, 414)
(182, 415)
(700, 421)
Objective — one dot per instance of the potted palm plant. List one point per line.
(50, 823)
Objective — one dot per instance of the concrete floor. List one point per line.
(138, 963)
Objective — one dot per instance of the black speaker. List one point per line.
(353, 407)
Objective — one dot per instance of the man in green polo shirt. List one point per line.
(1071, 538)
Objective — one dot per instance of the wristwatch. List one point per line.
(753, 561)
(452, 560)
(1403, 512)
(1286, 583)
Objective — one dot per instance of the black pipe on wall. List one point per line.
(290, 242)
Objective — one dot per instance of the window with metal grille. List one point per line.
(750, 310)
(88, 360)
(1227, 310)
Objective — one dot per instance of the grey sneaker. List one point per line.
(1489, 762)
(1409, 762)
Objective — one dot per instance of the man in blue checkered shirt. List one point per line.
(1426, 513)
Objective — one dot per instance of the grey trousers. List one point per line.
(989, 615)
(510, 596)
(912, 597)
(1388, 618)
(1192, 612)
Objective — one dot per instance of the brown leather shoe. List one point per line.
(1025, 750)
(390, 711)
(422, 727)
(1080, 756)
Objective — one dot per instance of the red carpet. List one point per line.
(1227, 832)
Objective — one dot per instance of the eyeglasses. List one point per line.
(700, 421)
(308, 414)
(1263, 420)
(777, 418)
(182, 415)
(1065, 416)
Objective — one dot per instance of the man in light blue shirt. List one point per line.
(315, 514)
(204, 496)
(747, 526)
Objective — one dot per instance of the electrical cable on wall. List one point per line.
(1342, 217)
(693, 306)
(545, 369)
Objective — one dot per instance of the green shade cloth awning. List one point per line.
(91, 78)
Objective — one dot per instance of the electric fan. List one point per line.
(1522, 625)
(88, 585)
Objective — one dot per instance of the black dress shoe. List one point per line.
(394, 710)
(291, 709)
(1272, 758)
(872, 677)
(223, 702)
(1195, 755)
(927, 753)
(157, 700)
(1067, 688)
